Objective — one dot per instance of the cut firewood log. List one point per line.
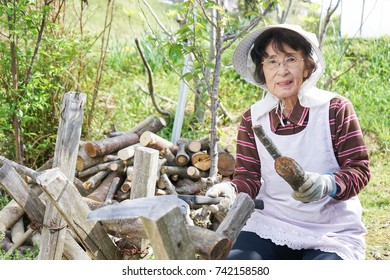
(79, 185)
(182, 157)
(226, 164)
(174, 170)
(188, 186)
(151, 123)
(128, 152)
(126, 186)
(96, 168)
(151, 140)
(286, 167)
(116, 182)
(165, 184)
(201, 160)
(169, 156)
(17, 231)
(195, 173)
(291, 171)
(100, 193)
(96, 179)
(107, 158)
(84, 161)
(193, 146)
(110, 145)
(118, 166)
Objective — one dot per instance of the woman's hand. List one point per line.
(316, 187)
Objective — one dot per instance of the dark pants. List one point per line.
(250, 246)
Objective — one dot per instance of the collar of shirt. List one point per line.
(297, 117)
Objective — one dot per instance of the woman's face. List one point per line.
(284, 81)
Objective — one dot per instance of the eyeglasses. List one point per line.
(290, 62)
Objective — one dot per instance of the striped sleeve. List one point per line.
(349, 148)
(247, 169)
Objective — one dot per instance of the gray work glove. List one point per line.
(225, 190)
(316, 187)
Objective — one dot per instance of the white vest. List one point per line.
(328, 224)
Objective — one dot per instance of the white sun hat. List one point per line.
(244, 65)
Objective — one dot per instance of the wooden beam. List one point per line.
(67, 200)
(65, 158)
(168, 235)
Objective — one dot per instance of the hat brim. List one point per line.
(242, 61)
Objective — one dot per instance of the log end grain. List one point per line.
(90, 149)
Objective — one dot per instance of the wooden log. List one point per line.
(67, 200)
(151, 140)
(267, 142)
(18, 189)
(169, 156)
(110, 145)
(92, 204)
(20, 241)
(226, 164)
(172, 170)
(182, 158)
(188, 186)
(207, 244)
(165, 184)
(151, 123)
(9, 215)
(79, 185)
(112, 190)
(65, 157)
(17, 231)
(118, 166)
(72, 249)
(193, 146)
(100, 193)
(96, 168)
(193, 172)
(236, 218)
(108, 158)
(126, 186)
(291, 171)
(201, 160)
(128, 152)
(168, 235)
(84, 161)
(286, 167)
(95, 180)
(24, 202)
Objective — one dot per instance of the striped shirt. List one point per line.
(348, 145)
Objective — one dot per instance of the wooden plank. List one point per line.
(65, 158)
(168, 235)
(237, 217)
(67, 200)
(24, 201)
(145, 172)
(18, 189)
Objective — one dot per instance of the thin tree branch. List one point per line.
(150, 81)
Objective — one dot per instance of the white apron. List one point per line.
(328, 224)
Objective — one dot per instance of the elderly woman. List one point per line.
(320, 131)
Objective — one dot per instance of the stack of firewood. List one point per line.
(104, 174)
(104, 168)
